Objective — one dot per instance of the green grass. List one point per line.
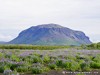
(91, 46)
(34, 47)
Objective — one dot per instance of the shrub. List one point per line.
(66, 65)
(95, 65)
(45, 69)
(15, 72)
(85, 66)
(4, 67)
(59, 63)
(1, 69)
(22, 69)
(36, 59)
(15, 58)
(13, 66)
(52, 66)
(73, 66)
(33, 59)
(36, 70)
(1, 55)
(46, 59)
(96, 58)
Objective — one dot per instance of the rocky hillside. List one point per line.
(51, 34)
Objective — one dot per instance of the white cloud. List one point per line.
(5, 37)
(81, 15)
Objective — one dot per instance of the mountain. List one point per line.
(51, 34)
(2, 42)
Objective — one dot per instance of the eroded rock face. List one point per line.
(51, 34)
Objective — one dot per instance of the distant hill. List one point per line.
(2, 42)
(51, 34)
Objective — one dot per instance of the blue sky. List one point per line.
(17, 15)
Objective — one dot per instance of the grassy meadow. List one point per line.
(28, 59)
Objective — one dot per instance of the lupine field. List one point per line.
(50, 62)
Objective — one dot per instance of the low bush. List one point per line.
(52, 66)
(95, 65)
(36, 59)
(13, 66)
(36, 70)
(96, 58)
(46, 59)
(22, 69)
(1, 69)
(85, 67)
(59, 63)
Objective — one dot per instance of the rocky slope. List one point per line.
(51, 34)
